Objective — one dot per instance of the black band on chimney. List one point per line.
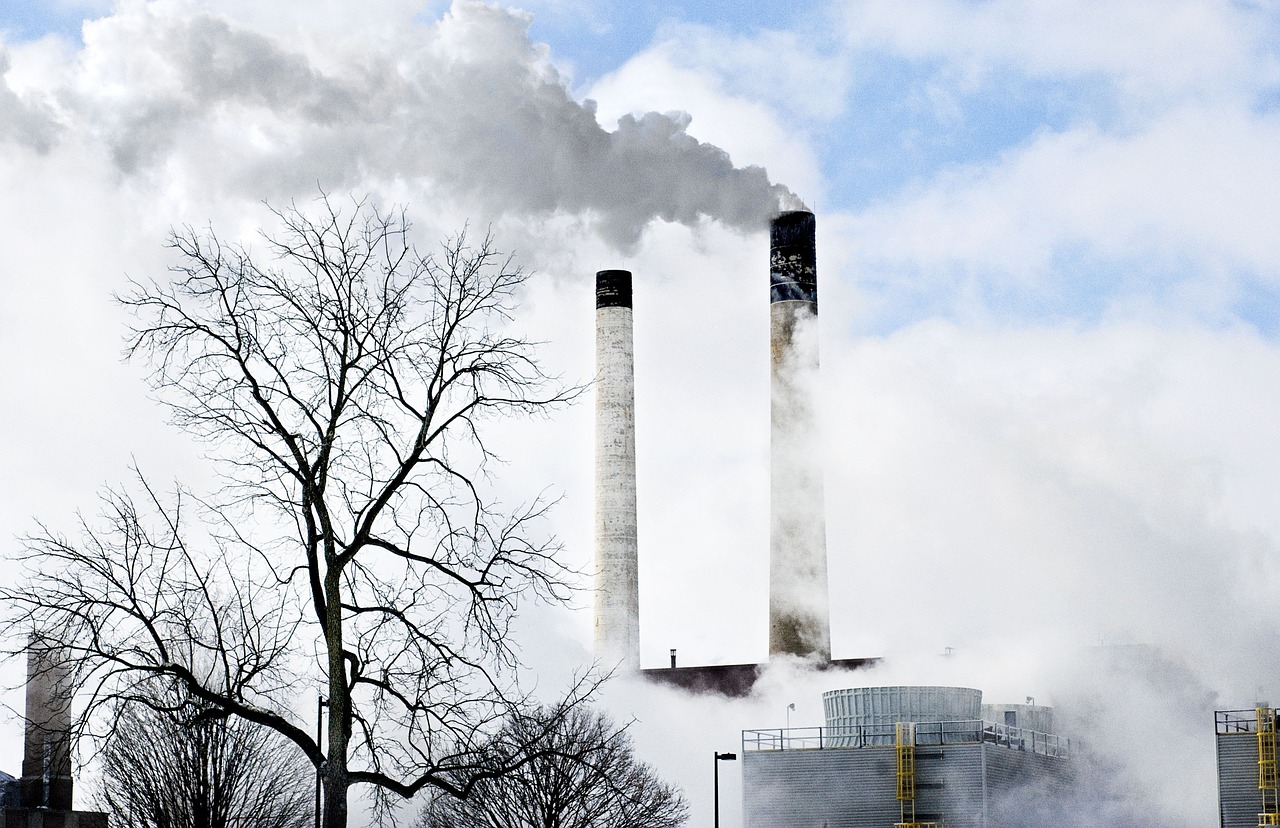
(793, 258)
(613, 289)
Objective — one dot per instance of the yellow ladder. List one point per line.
(1270, 814)
(905, 742)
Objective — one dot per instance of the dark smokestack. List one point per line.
(617, 592)
(798, 617)
(46, 760)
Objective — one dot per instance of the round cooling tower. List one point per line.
(868, 714)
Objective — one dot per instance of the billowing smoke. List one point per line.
(469, 103)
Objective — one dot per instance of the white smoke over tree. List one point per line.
(468, 103)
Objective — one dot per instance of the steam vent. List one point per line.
(617, 593)
(798, 618)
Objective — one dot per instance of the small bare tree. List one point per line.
(175, 764)
(583, 774)
(341, 381)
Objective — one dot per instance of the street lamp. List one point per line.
(730, 757)
(321, 704)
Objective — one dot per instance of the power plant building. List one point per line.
(1246, 752)
(913, 757)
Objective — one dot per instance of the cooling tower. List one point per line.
(617, 592)
(798, 618)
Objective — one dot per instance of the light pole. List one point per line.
(730, 757)
(321, 704)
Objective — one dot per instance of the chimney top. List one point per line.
(613, 289)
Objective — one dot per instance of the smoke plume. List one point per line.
(468, 103)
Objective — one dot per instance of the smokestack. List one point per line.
(617, 616)
(46, 760)
(798, 619)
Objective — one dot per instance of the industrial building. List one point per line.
(911, 757)
(1246, 750)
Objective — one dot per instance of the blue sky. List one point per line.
(31, 19)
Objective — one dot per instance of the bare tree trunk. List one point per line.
(335, 796)
(336, 778)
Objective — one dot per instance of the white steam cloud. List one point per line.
(471, 104)
(24, 122)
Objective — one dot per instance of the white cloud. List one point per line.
(1187, 199)
(1066, 474)
(1151, 52)
(26, 123)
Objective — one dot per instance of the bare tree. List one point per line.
(584, 774)
(175, 764)
(341, 381)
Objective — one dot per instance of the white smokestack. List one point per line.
(798, 617)
(617, 583)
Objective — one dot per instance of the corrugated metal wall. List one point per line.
(852, 788)
(1021, 784)
(950, 786)
(1239, 799)
(855, 787)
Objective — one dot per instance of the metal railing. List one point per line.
(790, 738)
(927, 734)
(1235, 721)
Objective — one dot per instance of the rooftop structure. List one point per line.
(734, 680)
(912, 757)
